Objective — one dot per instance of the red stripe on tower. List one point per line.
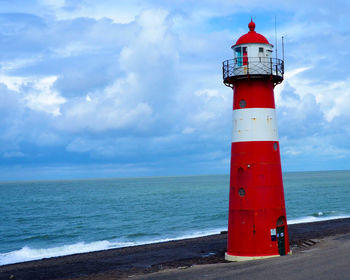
(257, 225)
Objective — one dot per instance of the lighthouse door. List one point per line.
(280, 240)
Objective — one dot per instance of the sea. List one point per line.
(42, 219)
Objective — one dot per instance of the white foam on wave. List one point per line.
(310, 219)
(31, 254)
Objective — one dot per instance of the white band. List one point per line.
(254, 124)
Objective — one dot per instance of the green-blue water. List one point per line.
(53, 218)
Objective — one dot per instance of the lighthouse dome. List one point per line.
(252, 37)
(252, 59)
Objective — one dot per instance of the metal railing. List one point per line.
(252, 66)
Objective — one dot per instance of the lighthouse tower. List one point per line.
(257, 225)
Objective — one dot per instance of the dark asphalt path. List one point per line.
(328, 260)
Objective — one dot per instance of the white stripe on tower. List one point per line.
(254, 124)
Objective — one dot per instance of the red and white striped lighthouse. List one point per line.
(257, 225)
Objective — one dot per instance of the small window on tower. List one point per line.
(242, 103)
(261, 50)
(241, 192)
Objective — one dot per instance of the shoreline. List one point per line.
(143, 259)
(97, 247)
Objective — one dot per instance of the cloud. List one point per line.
(324, 146)
(42, 98)
(140, 84)
(122, 13)
(37, 93)
(114, 107)
(188, 130)
(331, 96)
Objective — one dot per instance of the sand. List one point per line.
(320, 251)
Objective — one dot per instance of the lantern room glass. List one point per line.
(238, 52)
(241, 55)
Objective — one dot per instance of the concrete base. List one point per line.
(232, 258)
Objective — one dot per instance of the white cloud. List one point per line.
(209, 93)
(16, 63)
(115, 107)
(41, 97)
(288, 76)
(54, 3)
(37, 93)
(188, 130)
(332, 96)
(74, 49)
(292, 151)
(154, 27)
(14, 83)
(98, 148)
(122, 13)
(314, 144)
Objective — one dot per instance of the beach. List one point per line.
(190, 258)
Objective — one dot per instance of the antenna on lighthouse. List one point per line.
(283, 48)
(276, 37)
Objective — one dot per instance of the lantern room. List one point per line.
(253, 57)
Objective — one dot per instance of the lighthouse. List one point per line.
(257, 224)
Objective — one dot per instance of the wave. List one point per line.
(31, 254)
(317, 217)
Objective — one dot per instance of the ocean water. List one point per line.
(53, 218)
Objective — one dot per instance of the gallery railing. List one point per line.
(241, 67)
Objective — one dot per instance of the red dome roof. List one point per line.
(252, 36)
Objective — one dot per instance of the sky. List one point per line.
(94, 89)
